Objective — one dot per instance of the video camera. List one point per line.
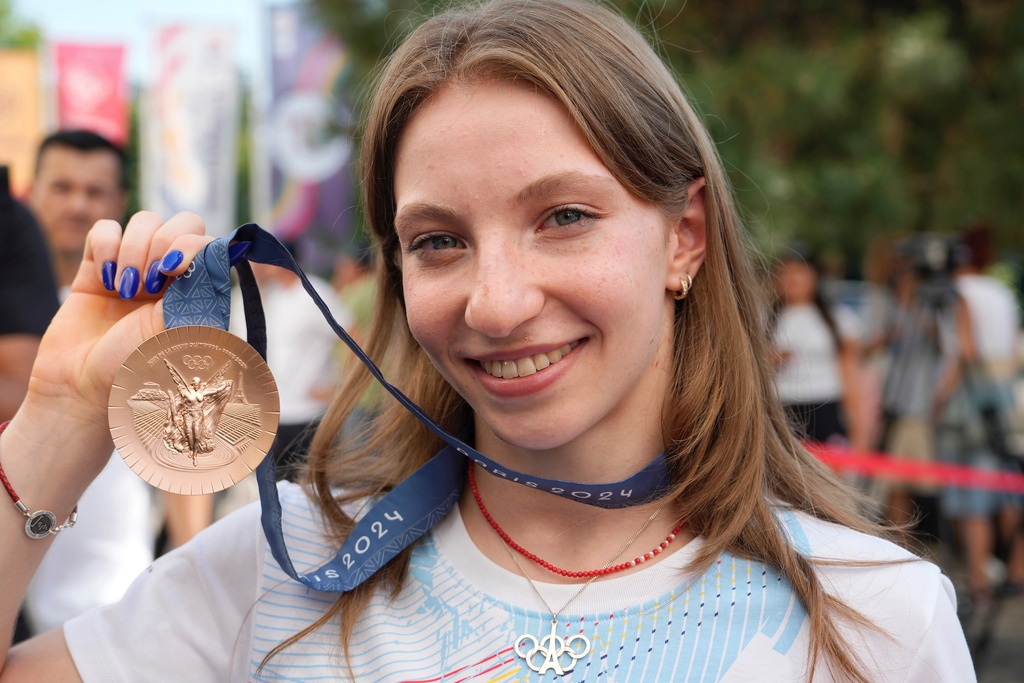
(933, 256)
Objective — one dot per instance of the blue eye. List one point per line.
(435, 243)
(568, 216)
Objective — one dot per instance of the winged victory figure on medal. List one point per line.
(194, 412)
(206, 421)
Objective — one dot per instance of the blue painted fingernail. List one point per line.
(171, 261)
(237, 250)
(129, 283)
(109, 268)
(154, 278)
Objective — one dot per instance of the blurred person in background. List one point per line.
(928, 334)
(80, 178)
(28, 297)
(966, 437)
(817, 354)
(302, 353)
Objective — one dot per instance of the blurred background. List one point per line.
(866, 140)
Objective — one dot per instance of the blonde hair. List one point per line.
(724, 430)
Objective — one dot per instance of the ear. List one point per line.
(687, 240)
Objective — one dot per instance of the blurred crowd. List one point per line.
(921, 362)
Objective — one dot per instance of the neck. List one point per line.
(570, 535)
(588, 458)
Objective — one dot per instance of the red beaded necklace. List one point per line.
(552, 568)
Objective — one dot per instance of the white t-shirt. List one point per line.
(811, 371)
(212, 610)
(995, 318)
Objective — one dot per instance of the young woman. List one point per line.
(817, 351)
(563, 283)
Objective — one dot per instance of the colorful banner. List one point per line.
(307, 135)
(21, 128)
(190, 130)
(92, 92)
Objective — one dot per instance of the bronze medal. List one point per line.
(193, 410)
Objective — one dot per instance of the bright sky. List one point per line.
(131, 22)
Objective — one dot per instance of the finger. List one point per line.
(100, 256)
(132, 255)
(172, 248)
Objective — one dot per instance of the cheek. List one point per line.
(430, 316)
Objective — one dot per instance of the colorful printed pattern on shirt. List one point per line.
(738, 619)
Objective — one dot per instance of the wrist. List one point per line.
(49, 460)
(40, 523)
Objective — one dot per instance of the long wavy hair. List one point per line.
(724, 431)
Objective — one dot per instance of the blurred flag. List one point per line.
(21, 128)
(190, 130)
(92, 93)
(307, 135)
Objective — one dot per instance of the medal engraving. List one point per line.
(193, 410)
(40, 524)
(549, 652)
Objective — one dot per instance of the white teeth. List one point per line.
(508, 369)
(526, 367)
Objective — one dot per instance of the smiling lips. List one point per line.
(522, 367)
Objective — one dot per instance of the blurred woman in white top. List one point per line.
(818, 353)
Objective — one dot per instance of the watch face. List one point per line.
(40, 523)
(193, 410)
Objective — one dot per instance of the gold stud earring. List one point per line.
(684, 288)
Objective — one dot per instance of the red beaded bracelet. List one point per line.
(41, 523)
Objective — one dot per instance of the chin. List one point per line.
(544, 439)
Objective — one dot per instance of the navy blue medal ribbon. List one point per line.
(202, 297)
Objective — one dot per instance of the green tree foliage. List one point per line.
(839, 122)
(15, 33)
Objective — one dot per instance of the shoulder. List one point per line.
(874, 576)
(911, 604)
(979, 288)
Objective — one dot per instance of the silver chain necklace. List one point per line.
(553, 652)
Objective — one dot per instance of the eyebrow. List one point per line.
(425, 212)
(561, 182)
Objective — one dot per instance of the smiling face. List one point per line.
(536, 283)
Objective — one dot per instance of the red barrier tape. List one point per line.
(884, 466)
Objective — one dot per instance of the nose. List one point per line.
(79, 203)
(505, 292)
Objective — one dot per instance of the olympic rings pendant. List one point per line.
(548, 652)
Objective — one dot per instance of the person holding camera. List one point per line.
(928, 334)
(973, 432)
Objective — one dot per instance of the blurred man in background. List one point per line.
(80, 178)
